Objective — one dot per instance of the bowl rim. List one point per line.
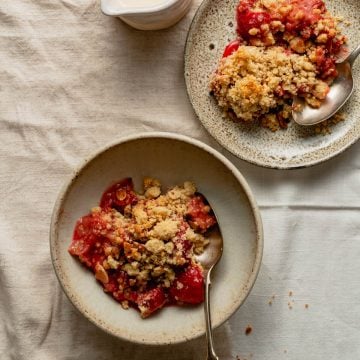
(68, 183)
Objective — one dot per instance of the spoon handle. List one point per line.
(354, 54)
(209, 337)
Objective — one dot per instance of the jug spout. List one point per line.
(114, 7)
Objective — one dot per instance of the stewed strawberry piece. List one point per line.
(119, 195)
(150, 301)
(302, 15)
(199, 214)
(88, 230)
(248, 19)
(189, 286)
(231, 48)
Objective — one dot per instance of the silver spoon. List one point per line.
(208, 259)
(340, 92)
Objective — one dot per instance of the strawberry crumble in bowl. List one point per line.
(142, 246)
(126, 230)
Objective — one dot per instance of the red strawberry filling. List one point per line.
(140, 250)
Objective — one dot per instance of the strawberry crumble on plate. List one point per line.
(284, 48)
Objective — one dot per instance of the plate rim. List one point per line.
(68, 183)
(276, 166)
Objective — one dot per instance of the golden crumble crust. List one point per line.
(250, 81)
(155, 223)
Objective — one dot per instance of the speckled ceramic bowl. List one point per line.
(173, 159)
(212, 28)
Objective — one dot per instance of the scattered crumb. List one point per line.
(306, 306)
(271, 300)
(285, 351)
(248, 330)
(324, 127)
(290, 304)
(290, 293)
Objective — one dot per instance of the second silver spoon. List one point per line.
(208, 259)
(340, 92)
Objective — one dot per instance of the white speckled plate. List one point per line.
(173, 159)
(212, 28)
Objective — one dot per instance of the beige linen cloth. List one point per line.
(72, 80)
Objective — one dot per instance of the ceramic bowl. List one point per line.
(173, 159)
(152, 17)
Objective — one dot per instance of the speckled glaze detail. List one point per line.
(213, 27)
(172, 158)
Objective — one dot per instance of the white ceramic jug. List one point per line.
(147, 14)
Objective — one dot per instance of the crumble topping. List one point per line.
(142, 246)
(252, 82)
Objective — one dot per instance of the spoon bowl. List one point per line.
(340, 92)
(213, 251)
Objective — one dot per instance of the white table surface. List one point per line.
(72, 80)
